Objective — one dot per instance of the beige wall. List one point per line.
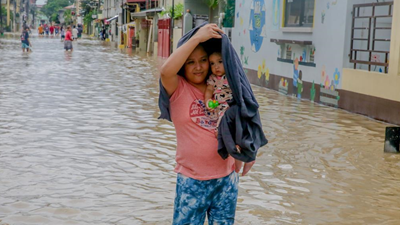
(379, 84)
(177, 36)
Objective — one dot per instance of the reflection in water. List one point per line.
(80, 143)
(68, 55)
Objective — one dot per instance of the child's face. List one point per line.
(217, 67)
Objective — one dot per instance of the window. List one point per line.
(299, 13)
(370, 36)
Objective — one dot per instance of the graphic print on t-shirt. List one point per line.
(201, 116)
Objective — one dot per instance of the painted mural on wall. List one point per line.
(263, 74)
(328, 6)
(328, 93)
(283, 86)
(258, 21)
(257, 26)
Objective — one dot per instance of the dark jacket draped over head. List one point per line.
(241, 124)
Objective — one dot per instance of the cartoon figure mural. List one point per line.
(257, 26)
(295, 75)
(300, 85)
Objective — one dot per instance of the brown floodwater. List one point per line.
(80, 143)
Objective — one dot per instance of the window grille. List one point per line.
(371, 54)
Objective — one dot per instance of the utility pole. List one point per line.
(172, 27)
(27, 13)
(8, 12)
(1, 19)
(15, 16)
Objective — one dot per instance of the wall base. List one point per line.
(374, 107)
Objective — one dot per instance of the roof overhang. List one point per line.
(144, 13)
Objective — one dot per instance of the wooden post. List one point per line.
(150, 36)
(8, 12)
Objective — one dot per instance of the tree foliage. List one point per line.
(88, 17)
(212, 3)
(52, 6)
(177, 13)
(67, 16)
(4, 15)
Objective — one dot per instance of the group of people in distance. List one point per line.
(49, 30)
(67, 36)
(56, 30)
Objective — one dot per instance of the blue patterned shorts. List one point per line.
(215, 198)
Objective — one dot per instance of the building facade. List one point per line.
(343, 54)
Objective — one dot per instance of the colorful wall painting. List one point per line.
(283, 86)
(263, 74)
(257, 26)
(329, 95)
(336, 77)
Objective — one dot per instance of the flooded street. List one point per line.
(80, 143)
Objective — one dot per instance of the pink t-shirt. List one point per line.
(197, 147)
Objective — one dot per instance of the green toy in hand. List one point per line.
(213, 104)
